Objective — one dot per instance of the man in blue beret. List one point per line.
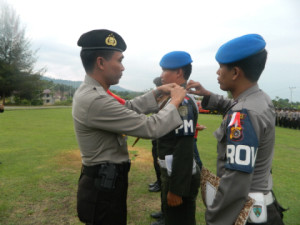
(180, 175)
(245, 138)
(102, 121)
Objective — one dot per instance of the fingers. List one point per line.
(174, 203)
(167, 88)
(200, 127)
(196, 88)
(174, 200)
(192, 84)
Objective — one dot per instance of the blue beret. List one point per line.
(175, 59)
(102, 40)
(240, 48)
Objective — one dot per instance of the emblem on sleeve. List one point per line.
(236, 130)
(236, 133)
(111, 40)
(183, 111)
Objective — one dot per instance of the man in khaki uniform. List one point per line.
(246, 136)
(102, 122)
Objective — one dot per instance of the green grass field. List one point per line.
(40, 166)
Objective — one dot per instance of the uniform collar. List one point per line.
(91, 81)
(248, 92)
(183, 85)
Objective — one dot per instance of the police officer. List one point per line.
(280, 115)
(101, 124)
(246, 136)
(180, 175)
(155, 186)
(1, 108)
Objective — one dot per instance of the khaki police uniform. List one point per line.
(101, 125)
(245, 151)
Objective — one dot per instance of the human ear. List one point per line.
(236, 72)
(179, 72)
(100, 62)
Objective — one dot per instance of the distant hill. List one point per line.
(76, 84)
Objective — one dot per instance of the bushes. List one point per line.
(67, 102)
(23, 102)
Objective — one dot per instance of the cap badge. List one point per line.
(111, 40)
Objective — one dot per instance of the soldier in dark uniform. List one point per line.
(246, 136)
(280, 115)
(101, 124)
(155, 186)
(298, 118)
(1, 108)
(285, 118)
(180, 175)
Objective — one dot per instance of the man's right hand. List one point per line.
(166, 88)
(177, 95)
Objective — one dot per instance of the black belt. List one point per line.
(92, 171)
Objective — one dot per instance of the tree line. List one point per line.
(17, 60)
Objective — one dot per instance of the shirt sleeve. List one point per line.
(216, 102)
(240, 156)
(143, 104)
(183, 155)
(182, 166)
(230, 198)
(112, 116)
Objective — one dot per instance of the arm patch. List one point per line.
(242, 142)
(186, 113)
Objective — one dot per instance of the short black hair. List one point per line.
(88, 58)
(187, 70)
(252, 66)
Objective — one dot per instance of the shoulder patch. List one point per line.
(242, 142)
(187, 115)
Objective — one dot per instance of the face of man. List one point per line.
(113, 68)
(168, 76)
(225, 76)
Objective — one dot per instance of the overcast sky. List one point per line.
(153, 28)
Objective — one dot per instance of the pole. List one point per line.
(291, 89)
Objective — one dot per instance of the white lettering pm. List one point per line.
(186, 125)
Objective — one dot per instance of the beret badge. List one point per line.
(111, 40)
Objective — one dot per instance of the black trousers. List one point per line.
(155, 163)
(183, 214)
(97, 207)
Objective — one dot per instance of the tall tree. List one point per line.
(16, 56)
